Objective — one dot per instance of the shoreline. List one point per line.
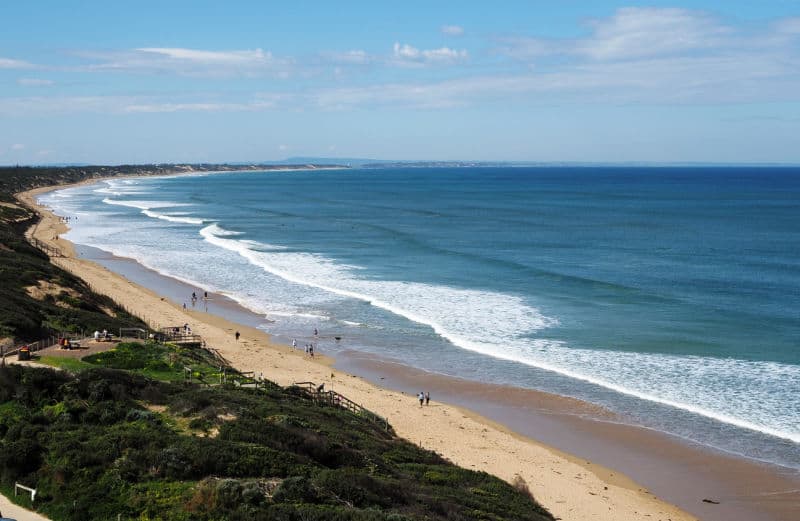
(572, 488)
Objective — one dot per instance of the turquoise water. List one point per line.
(669, 295)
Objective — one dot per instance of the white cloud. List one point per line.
(196, 107)
(254, 56)
(7, 63)
(35, 82)
(187, 62)
(452, 30)
(631, 33)
(354, 57)
(283, 147)
(525, 48)
(406, 54)
(635, 32)
(127, 105)
(17, 146)
(788, 26)
(638, 55)
(739, 78)
(26, 106)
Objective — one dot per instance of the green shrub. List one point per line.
(94, 450)
(297, 489)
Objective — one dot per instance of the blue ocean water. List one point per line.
(668, 295)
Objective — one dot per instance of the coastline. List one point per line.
(569, 486)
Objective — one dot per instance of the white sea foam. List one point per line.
(146, 208)
(215, 230)
(173, 218)
(144, 205)
(107, 190)
(299, 315)
(750, 395)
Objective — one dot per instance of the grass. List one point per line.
(68, 364)
(165, 362)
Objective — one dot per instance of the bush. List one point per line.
(296, 490)
(93, 450)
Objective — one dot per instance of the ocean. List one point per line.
(669, 296)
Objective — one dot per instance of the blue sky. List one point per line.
(179, 81)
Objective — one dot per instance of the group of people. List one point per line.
(309, 348)
(99, 337)
(194, 299)
(424, 397)
(64, 343)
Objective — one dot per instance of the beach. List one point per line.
(487, 428)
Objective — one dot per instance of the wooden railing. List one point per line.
(334, 399)
(39, 344)
(51, 251)
(178, 335)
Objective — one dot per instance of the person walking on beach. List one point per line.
(421, 397)
(294, 343)
(311, 350)
(427, 398)
(237, 335)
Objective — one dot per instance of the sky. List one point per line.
(256, 81)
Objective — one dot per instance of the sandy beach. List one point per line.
(572, 488)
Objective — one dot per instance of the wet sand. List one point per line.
(494, 426)
(677, 470)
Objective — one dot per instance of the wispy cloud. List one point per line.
(256, 56)
(188, 62)
(637, 55)
(34, 82)
(452, 30)
(631, 33)
(788, 26)
(17, 146)
(53, 105)
(659, 55)
(635, 32)
(352, 57)
(197, 107)
(8, 63)
(130, 105)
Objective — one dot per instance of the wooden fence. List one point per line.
(51, 251)
(334, 399)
